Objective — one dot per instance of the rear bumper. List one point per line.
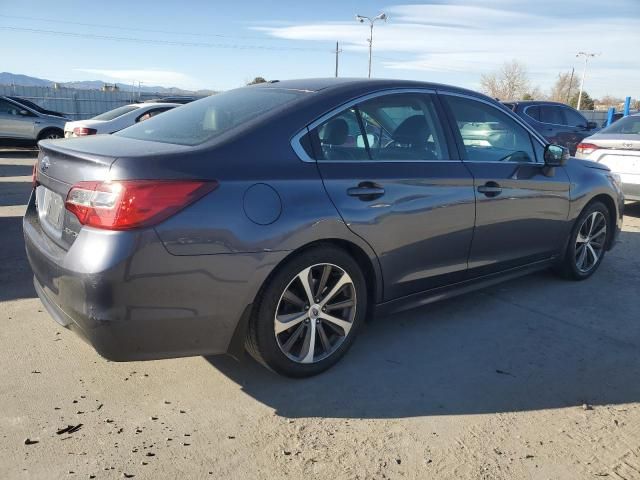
(132, 300)
(631, 191)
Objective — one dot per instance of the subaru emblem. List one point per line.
(45, 164)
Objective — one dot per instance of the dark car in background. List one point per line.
(558, 123)
(277, 217)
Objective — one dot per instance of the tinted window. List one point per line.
(391, 127)
(488, 134)
(403, 127)
(533, 112)
(551, 114)
(116, 112)
(8, 108)
(626, 125)
(152, 113)
(210, 117)
(573, 118)
(341, 137)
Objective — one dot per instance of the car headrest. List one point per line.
(413, 131)
(335, 132)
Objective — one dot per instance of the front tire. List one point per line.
(587, 243)
(50, 134)
(308, 313)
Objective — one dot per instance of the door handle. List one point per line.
(490, 189)
(366, 191)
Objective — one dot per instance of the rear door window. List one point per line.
(395, 127)
(533, 112)
(573, 118)
(551, 114)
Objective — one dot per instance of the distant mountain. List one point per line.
(7, 78)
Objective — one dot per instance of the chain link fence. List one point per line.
(77, 104)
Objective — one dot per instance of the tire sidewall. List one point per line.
(263, 318)
(570, 262)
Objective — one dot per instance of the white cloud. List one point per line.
(464, 40)
(164, 78)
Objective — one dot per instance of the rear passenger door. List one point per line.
(390, 169)
(521, 207)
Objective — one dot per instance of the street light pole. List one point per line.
(361, 19)
(586, 56)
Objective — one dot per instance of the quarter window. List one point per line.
(397, 127)
(488, 134)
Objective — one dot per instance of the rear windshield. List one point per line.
(210, 117)
(116, 112)
(626, 125)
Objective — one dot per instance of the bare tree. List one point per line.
(510, 82)
(566, 85)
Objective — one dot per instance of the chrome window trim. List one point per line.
(535, 135)
(302, 154)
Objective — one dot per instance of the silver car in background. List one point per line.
(618, 147)
(24, 121)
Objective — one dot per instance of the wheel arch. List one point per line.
(42, 133)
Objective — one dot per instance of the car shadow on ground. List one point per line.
(632, 209)
(533, 343)
(15, 272)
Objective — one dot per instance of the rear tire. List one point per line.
(587, 243)
(50, 134)
(325, 312)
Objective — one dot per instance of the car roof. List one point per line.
(536, 102)
(343, 84)
(156, 105)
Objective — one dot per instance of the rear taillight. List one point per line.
(131, 204)
(586, 148)
(83, 131)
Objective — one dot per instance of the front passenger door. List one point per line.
(521, 213)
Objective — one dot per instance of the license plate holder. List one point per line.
(50, 207)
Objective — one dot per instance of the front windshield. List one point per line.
(115, 113)
(210, 117)
(627, 125)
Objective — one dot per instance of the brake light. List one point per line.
(129, 204)
(83, 131)
(586, 148)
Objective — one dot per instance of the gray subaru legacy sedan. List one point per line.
(278, 217)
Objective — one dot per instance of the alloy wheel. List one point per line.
(315, 313)
(590, 241)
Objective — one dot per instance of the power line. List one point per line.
(137, 29)
(160, 42)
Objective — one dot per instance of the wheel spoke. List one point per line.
(602, 231)
(305, 279)
(323, 280)
(309, 346)
(581, 238)
(592, 222)
(326, 345)
(340, 305)
(342, 281)
(285, 322)
(581, 259)
(291, 297)
(593, 253)
(343, 324)
(293, 338)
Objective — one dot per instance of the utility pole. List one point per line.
(570, 83)
(338, 51)
(361, 19)
(586, 56)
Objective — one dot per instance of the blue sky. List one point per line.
(221, 45)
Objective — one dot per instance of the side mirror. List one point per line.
(555, 155)
(591, 125)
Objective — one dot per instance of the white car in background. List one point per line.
(618, 147)
(116, 119)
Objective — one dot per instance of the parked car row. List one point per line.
(24, 122)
